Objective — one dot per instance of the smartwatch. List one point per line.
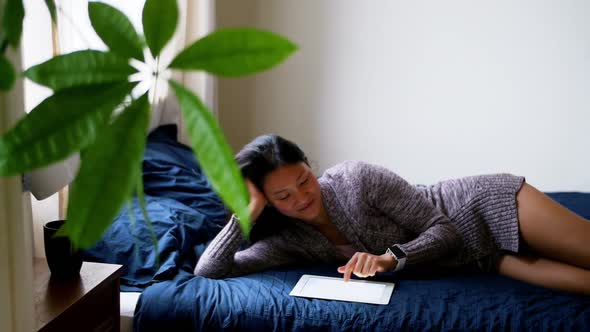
(399, 254)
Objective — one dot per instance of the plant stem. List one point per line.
(133, 228)
(141, 198)
(3, 46)
(156, 80)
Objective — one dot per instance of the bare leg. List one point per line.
(559, 239)
(552, 230)
(546, 272)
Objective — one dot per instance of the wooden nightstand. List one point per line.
(88, 303)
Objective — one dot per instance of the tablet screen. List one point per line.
(337, 289)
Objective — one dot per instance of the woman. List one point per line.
(374, 221)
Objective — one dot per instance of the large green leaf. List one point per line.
(159, 23)
(108, 175)
(115, 30)
(7, 75)
(81, 68)
(65, 122)
(50, 4)
(12, 22)
(234, 52)
(214, 154)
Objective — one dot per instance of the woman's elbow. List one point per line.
(453, 238)
(208, 272)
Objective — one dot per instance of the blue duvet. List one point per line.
(187, 215)
(260, 302)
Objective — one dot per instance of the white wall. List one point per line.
(430, 89)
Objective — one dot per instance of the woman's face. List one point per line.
(294, 191)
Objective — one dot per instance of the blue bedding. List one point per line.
(187, 215)
(260, 302)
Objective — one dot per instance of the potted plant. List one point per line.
(88, 86)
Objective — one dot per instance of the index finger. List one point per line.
(350, 266)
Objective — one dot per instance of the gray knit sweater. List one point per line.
(451, 223)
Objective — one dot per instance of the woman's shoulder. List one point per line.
(356, 175)
(355, 169)
(348, 166)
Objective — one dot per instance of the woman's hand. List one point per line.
(364, 265)
(257, 201)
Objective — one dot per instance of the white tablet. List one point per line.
(330, 288)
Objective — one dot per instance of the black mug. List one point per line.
(63, 260)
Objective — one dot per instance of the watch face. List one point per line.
(399, 254)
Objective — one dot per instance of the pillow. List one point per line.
(171, 170)
(578, 202)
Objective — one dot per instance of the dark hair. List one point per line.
(256, 160)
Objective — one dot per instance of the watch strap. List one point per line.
(401, 261)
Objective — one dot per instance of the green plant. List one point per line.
(90, 85)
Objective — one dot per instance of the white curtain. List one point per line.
(37, 47)
(197, 19)
(16, 258)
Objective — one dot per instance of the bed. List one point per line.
(163, 294)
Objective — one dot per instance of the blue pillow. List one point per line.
(578, 202)
(171, 170)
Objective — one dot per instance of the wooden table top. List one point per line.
(53, 296)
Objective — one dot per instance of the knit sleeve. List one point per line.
(401, 202)
(222, 259)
